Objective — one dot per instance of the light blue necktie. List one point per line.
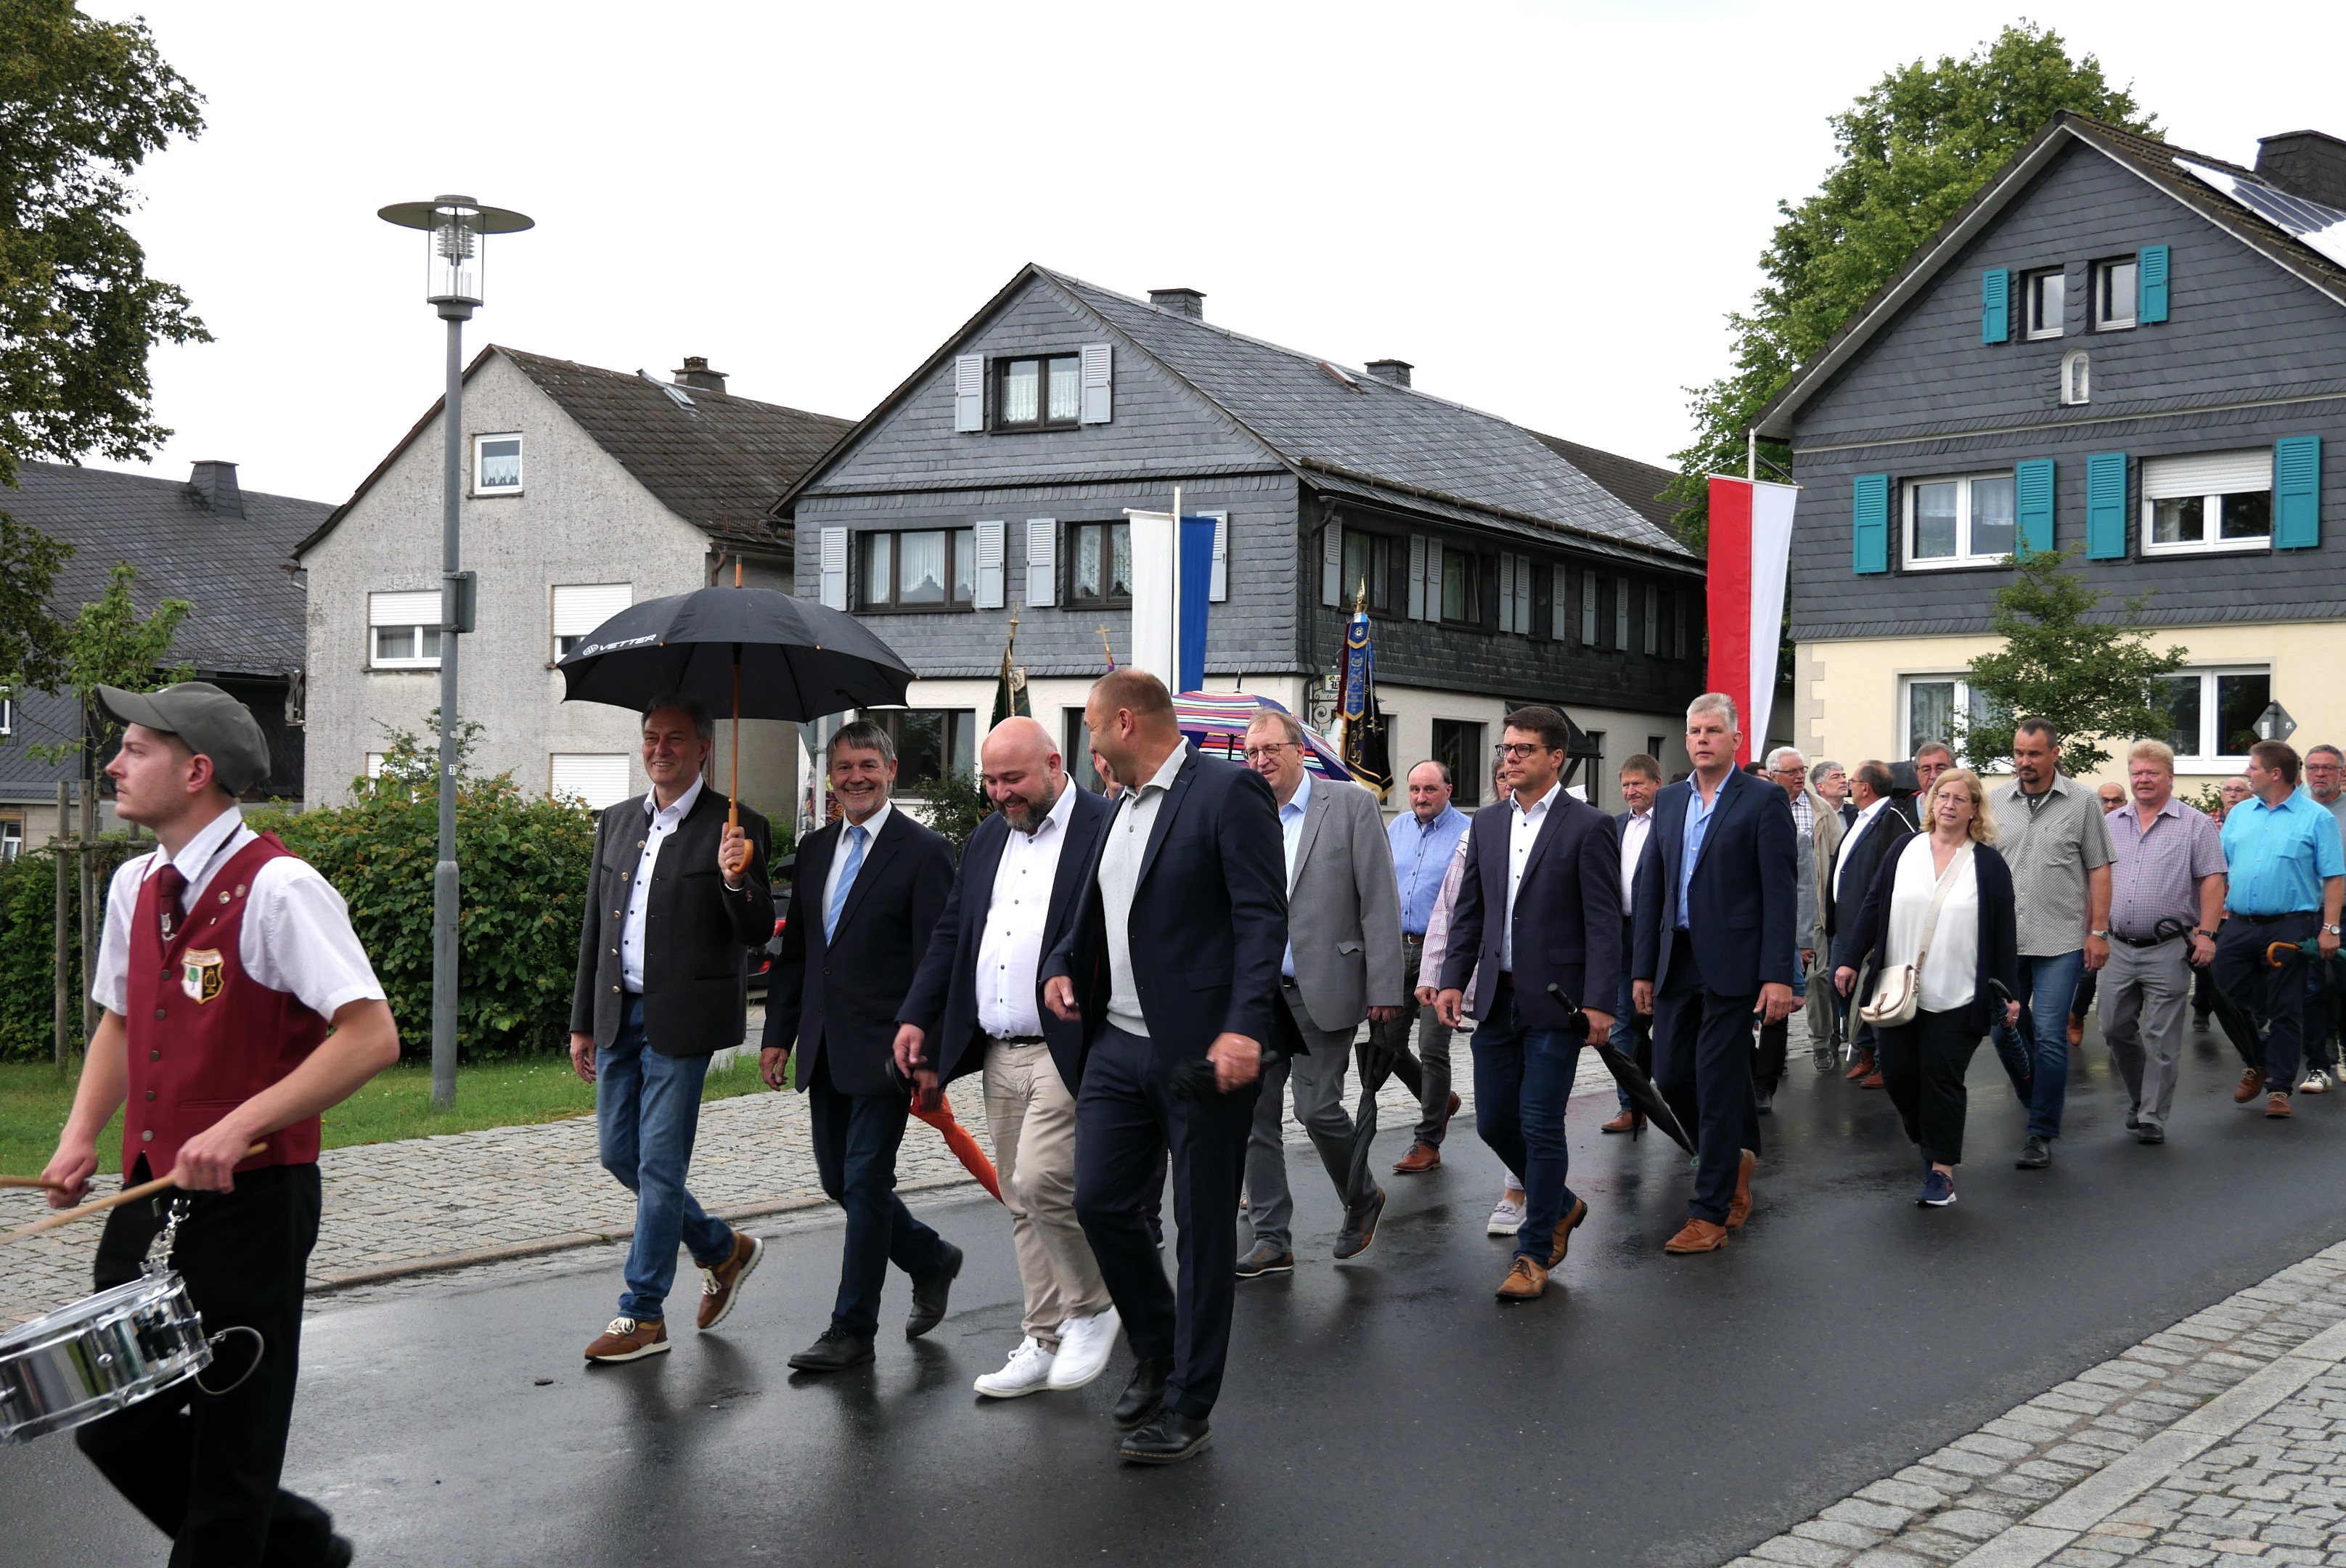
(855, 837)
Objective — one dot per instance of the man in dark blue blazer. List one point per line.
(1173, 969)
(1538, 914)
(976, 1006)
(1714, 908)
(865, 895)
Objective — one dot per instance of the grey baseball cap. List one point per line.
(207, 721)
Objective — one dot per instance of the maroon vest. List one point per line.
(205, 1036)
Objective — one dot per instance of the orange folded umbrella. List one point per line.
(965, 1147)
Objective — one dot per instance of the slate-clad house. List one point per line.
(1502, 566)
(583, 491)
(2120, 347)
(224, 549)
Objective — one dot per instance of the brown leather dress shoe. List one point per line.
(1860, 1068)
(1526, 1282)
(2076, 1030)
(1449, 1111)
(1739, 1208)
(1871, 1081)
(719, 1286)
(1626, 1122)
(2277, 1105)
(1564, 1230)
(2251, 1084)
(1420, 1158)
(1698, 1236)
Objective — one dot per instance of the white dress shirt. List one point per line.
(663, 822)
(871, 826)
(1291, 833)
(295, 936)
(1120, 880)
(1523, 825)
(1009, 950)
(1950, 969)
(1634, 834)
(1840, 862)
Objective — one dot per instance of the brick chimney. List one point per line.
(2307, 163)
(1394, 370)
(696, 375)
(215, 485)
(1186, 302)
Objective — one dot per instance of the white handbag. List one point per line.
(1899, 992)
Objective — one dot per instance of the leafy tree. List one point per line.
(111, 644)
(32, 638)
(2094, 678)
(1913, 149)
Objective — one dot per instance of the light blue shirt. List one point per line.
(2278, 857)
(1421, 857)
(1290, 830)
(1698, 824)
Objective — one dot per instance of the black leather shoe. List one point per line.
(2150, 1133)
(1764, 1100)
(2035, 1154)
(1360, 1229)
(1171, 1438)
(339, 1551)
(929, 1295)
(834, 1352)
(2134, 1120)
(1143, 1397)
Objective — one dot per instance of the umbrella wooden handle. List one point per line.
(127, 1195)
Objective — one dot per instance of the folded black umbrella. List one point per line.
(2237, 1027)
(752, 652)
(1633, 1081)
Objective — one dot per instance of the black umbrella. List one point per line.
(1626, 1073)
(758, 653)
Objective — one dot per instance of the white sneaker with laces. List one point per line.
(1085, 1344)
(1508, 1217)
(1028, 1371)
(2317, 1082)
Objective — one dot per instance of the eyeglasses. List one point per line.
(1268, 749)
(1792, 772)
(1515, 751)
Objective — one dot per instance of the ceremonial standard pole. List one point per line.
(459, 228)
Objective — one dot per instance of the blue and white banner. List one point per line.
(1172, 576)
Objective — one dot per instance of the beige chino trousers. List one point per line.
(1032, 1116)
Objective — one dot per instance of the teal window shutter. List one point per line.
(1995, 305)
(2151, 285)
(2297, 493)
(2032, 484)
(2105, 506)
(1870, 549)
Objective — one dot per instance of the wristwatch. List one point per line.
(2102, 934)
(2333, 930)
(2199, 931)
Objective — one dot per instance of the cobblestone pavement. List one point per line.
(2221, 1439)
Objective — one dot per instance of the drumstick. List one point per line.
(28, 1181)
(127, 1195)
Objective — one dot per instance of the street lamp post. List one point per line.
(459, 228)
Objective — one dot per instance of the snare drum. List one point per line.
(90, 1359)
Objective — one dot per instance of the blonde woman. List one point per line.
(1974, 945)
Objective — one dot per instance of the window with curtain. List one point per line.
(1099, 565)
(1040, 393)
(2208, 503)
(926, 569)
(1964, 521)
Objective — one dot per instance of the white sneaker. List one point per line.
(1508, 1217)
(1028, 1371)
(1085, 1344)
(2316, 1083)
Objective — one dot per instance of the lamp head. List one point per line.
(459, 228)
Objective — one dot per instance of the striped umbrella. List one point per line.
(1215, 722)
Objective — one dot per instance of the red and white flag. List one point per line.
(1750, 552)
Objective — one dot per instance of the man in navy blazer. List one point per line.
(1715, 912)
(1173, 969)
(1538, 914)
(865, 895)
(976, 1005)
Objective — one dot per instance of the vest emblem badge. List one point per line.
(202, 972)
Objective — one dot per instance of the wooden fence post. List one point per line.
(88, 856)
(62, 964)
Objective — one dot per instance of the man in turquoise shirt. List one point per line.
(2288, 871)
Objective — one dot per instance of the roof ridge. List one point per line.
(130, 476)
(519, 354)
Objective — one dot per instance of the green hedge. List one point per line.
(28, 892)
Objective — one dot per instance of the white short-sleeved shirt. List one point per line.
(295, 937)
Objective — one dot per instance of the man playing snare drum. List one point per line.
(226, 961)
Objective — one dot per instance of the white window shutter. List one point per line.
(1218, 590)
(1331, 563)
(1099, 382)
(1041, 562)
(989, 565)
(1417, 577)
(1559, 608)
(834, 568)
(1523, 595)
(1506, 593)
(969, 393)
(1434, 579)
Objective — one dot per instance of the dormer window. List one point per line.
(2114, 295)
(1045, 393)
(2043, 296)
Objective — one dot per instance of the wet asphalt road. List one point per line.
(1651, 1411)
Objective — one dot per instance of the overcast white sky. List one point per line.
(1548, 208)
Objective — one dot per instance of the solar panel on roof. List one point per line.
(2322, 228)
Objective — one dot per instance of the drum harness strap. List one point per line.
(158, 1262)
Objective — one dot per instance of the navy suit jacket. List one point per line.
(1742, 901)
(1567, 918)
(838, 1000)
(1208, 921)
(943, 997)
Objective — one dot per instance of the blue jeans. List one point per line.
(2037, 1056)
(647, 1111)
(1522, 1081)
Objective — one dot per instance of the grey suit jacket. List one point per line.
(1343, 909)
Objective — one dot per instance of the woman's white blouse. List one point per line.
(1950, 971)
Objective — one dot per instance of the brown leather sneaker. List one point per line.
(1564, 1230)
(1698, 1236)
(2277, 1103)
(629, 1340)
(1420, 1158)
(1871, 1080)
(1739, 1208)
(2251, 1084)
(1860, 1068)
(1526, 1282)
(720, 1284)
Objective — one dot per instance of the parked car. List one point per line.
(761, 962)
